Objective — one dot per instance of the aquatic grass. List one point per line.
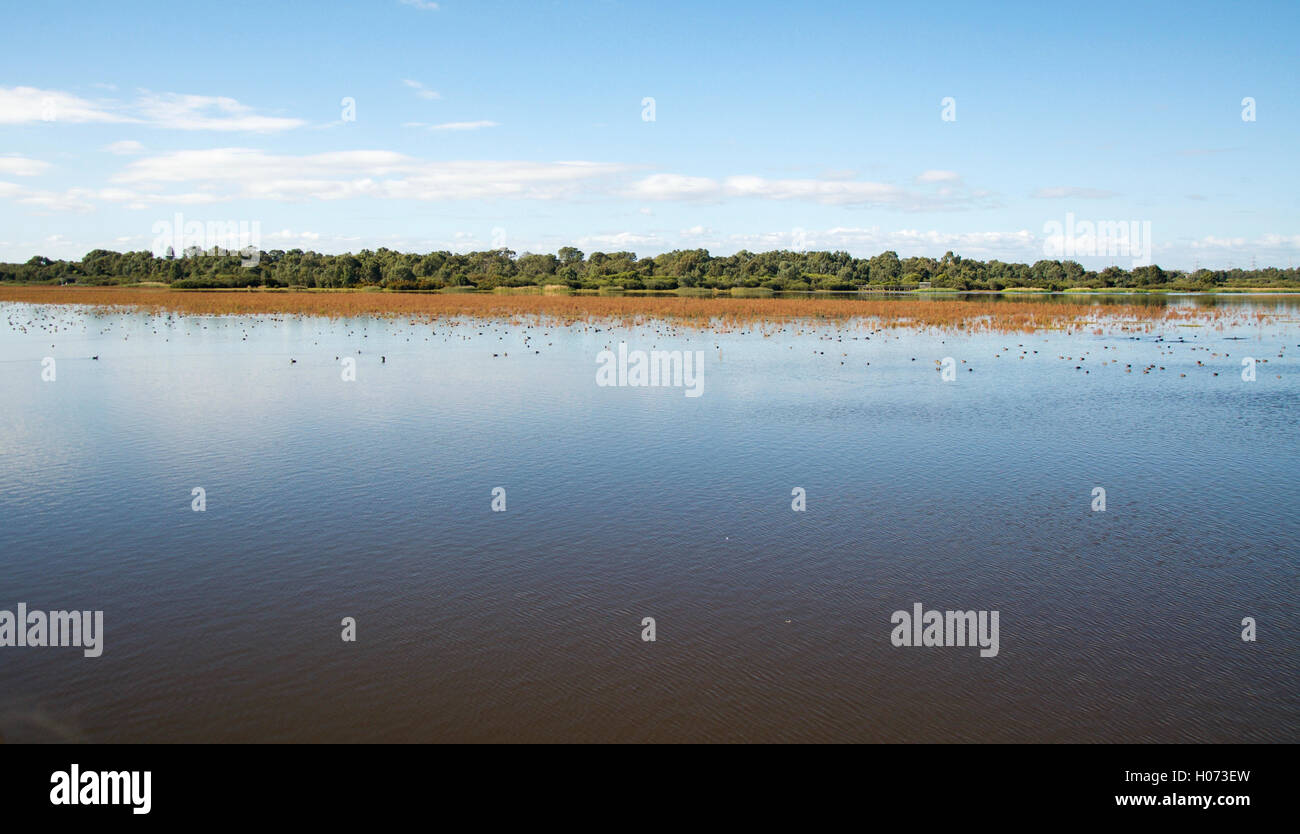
(721, 313)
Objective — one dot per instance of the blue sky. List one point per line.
(817, 126)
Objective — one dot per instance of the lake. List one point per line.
(966, 485)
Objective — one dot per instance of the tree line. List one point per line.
(781, 270)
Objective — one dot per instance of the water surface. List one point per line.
(371, 499)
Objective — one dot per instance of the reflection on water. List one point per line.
(371, 499)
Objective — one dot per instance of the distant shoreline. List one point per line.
(685, 271)
(683, 292)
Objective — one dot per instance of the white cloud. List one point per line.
(866, 241)
(218, 174)
(675, 187)
(142, 200)
(423, 5)
(29, 105)
(421, 90)
(1071, 192)
(83, 200)
(1213, 242)
(126, 147)
(462, 125)
(1221, 251)
(21, 166)
(191, 112)
(25, 105)
(826, 192)
(1280, 241)
(289, 239)
(938, 176)
(71, 200)
(619, 241)
(254, 174)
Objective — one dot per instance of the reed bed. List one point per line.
(719, 313)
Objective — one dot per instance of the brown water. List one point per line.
(372, 499)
